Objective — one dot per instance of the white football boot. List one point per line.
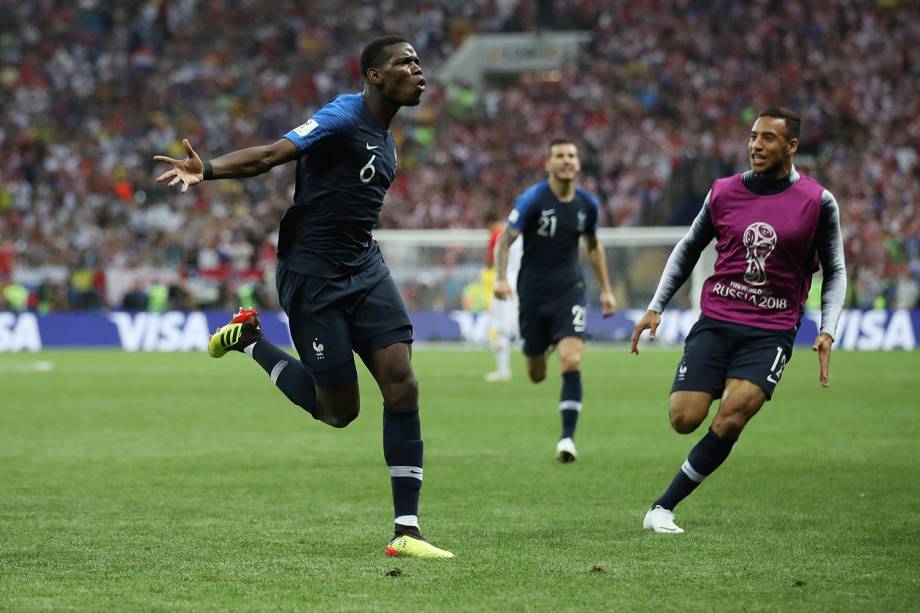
(565, 450)
(661, 521)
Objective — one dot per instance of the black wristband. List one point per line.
(208, 171)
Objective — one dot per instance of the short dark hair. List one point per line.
(372, 56)
(558, 141)
(791, 118)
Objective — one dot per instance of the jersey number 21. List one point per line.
(546, 225)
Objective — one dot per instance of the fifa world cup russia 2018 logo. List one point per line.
(759, 240)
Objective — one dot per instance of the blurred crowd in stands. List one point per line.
(660, 100)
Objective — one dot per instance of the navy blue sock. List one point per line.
(402, 449)
(287, 373)
(704, 458)
(570, 402)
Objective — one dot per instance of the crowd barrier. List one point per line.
(188, 331)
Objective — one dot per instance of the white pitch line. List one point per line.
(39, 366)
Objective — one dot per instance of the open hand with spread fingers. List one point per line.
(188, 171)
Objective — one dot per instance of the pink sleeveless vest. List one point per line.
(766, 253)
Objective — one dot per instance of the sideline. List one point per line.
(40, 366)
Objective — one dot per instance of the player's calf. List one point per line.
(392, 369)
(403, 451)
(536, 368)
(705, 457)
(569, 410)
(740, 402)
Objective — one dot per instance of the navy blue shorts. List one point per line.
(546, 319)
(718, 350)
(331, 318)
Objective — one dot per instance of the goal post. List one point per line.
(440, 269)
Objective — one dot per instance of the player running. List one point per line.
(332, 281)
(552, 216)
(773, 227)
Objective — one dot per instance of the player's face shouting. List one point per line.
(403, 82)
(563, 162)
(769, 148)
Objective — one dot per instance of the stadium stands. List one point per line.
(661, 100)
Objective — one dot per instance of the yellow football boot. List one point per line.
(409, 546)
(243, 330)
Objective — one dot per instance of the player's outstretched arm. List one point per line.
(247, 162)
(822, 345)
(500, 287)
(599, 265)
(650, 322)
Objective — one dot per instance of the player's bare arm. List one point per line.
(240, 164)
(500, 287)
(598, 260)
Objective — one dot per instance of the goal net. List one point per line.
(443, 273)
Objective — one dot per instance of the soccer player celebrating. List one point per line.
(552, 216)
(773, 227)
(332, 280)
(503, 313)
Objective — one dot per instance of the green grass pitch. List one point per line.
(174, 481)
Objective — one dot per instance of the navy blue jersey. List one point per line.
(347, 163)
(551, 230)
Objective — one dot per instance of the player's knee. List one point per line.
(570, 362)
(401, 392)
(341, 419)
(536, 374)
(683, 423)
(686, 416)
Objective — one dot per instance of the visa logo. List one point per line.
(170, 331)
(19, 333)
